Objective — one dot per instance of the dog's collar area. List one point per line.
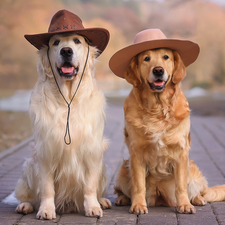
(68, 103)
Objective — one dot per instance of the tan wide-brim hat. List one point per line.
(152, 39)
(65, 21)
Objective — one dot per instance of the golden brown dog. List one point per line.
(157, 134)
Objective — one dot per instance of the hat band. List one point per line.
(64, 27)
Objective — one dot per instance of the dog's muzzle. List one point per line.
(159, 83)
(67, 69)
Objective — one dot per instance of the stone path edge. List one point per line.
(16, 147)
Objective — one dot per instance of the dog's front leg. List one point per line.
(91, 204)
(181, 176)
(47, 192)
(138, 189)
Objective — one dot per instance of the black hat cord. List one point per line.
(68, 103)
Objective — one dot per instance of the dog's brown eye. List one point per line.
(56, 42)
(166, 57)
(147, 58)
(77, 41)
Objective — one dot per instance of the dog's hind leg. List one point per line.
(123, 187)
(24, 208)
(199, 200)
(197, 184)
(105, 203)
(23, 191)
(121, 199)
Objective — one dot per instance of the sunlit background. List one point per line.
(202, 21)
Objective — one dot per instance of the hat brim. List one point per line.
(120, 61)
(97, 37)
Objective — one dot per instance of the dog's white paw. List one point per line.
(24, 208)
(199, 200)
(105, 203)
(94, 211)
(46, 213)
(186, 208)
(92, 207)
(122, 200)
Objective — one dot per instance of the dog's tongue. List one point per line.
(67, 69)
(159, 83)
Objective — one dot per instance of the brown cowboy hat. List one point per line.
(152, 39)
(64, 22)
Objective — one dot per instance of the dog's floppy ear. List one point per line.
(132, 75)
(179, 69)
(43, 66)
(93, 54)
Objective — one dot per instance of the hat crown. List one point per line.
(149, 35)
(65, 20)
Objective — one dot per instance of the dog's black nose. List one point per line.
(158, 71)
(66, 52)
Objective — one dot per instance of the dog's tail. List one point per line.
(11, 199)
(214, 194)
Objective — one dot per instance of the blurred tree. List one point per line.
(71, 2)
(17, 58)
(117, 41)
(197, 20)
(219, 72)
(125, 19)
(210, 34)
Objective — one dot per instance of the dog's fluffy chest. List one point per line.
(160, 157)
(49, 115)
(159, 140)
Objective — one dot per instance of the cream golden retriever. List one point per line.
(157, 134)
(62, 177)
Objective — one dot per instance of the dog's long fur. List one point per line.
(157, 134)
(65, 177)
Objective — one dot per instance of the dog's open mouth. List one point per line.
(157, 85)
(68, 71)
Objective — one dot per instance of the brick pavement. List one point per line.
(208, 152)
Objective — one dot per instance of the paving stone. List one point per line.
(118, 214)
(219, 211)
(199, 221)
(221, 218)
(8, 221)
(31, 219)
(158, 216)
(75, 218)
(218, 204)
